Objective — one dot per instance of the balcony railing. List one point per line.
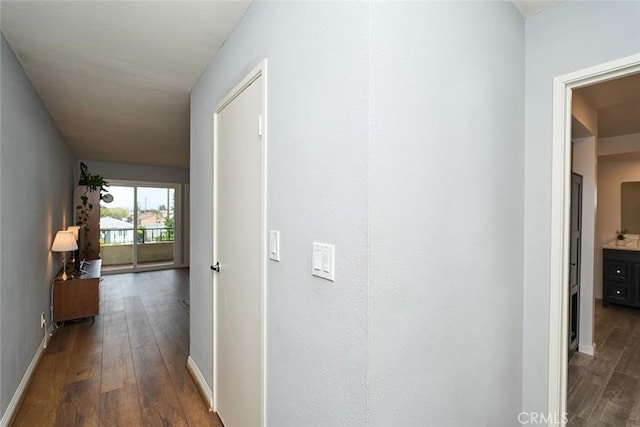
(154, 244)
(119, 236)
(147, 253)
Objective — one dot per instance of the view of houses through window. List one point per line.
(137, 229)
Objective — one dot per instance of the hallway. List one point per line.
(126, 369)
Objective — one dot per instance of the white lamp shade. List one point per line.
(64, 242)
(75, 229)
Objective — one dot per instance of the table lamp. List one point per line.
(64, 242)
(75, 229)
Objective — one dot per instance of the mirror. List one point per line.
(631, 207)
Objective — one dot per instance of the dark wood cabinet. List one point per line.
(621, 277)
(79, 296)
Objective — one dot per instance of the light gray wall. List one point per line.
(2, 47)
(131, 172)
(317, 179)
(446, 210)
(393, 157)
(36, 182)
(566, 38)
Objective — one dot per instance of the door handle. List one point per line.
(216, 267)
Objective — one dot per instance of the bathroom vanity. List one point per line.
(621, 275)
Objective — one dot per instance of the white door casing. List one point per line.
(239, 246)
(560, 210)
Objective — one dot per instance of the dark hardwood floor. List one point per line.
(605, 390)
(127, 369)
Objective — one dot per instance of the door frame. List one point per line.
(560, 209)
(580, 179)
(258, 71)
(178, 236)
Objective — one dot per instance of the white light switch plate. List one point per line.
(323, 261)
(274, 245)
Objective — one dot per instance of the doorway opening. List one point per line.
(606, 149)
(138, 229)
(563, 87)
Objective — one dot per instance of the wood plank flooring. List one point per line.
(127, 369)
(605, 390)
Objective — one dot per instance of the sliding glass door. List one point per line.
(137, 229)
(155, 225)
(117, 228)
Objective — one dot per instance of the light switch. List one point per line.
(317, 260)
(274, 245)
(323, 261)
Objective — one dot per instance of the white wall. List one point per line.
(317, 191)
(36, 183)
(134, 172)
(584, 113)
(446, 213)
(566, 38)
(611, 174)
(585, 164)
(620, 144)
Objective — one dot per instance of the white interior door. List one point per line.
(238, 247)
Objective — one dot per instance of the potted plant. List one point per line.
(92, 183)
(620, 236)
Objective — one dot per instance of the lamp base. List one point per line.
(64, 270)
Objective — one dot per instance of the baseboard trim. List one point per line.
(203, 387)
(587, 349)
(14, 404)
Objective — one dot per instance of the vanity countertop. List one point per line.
(630, 245)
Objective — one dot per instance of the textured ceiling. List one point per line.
(618, 105)
(116, 76)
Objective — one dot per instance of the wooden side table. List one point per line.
(79, 296)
